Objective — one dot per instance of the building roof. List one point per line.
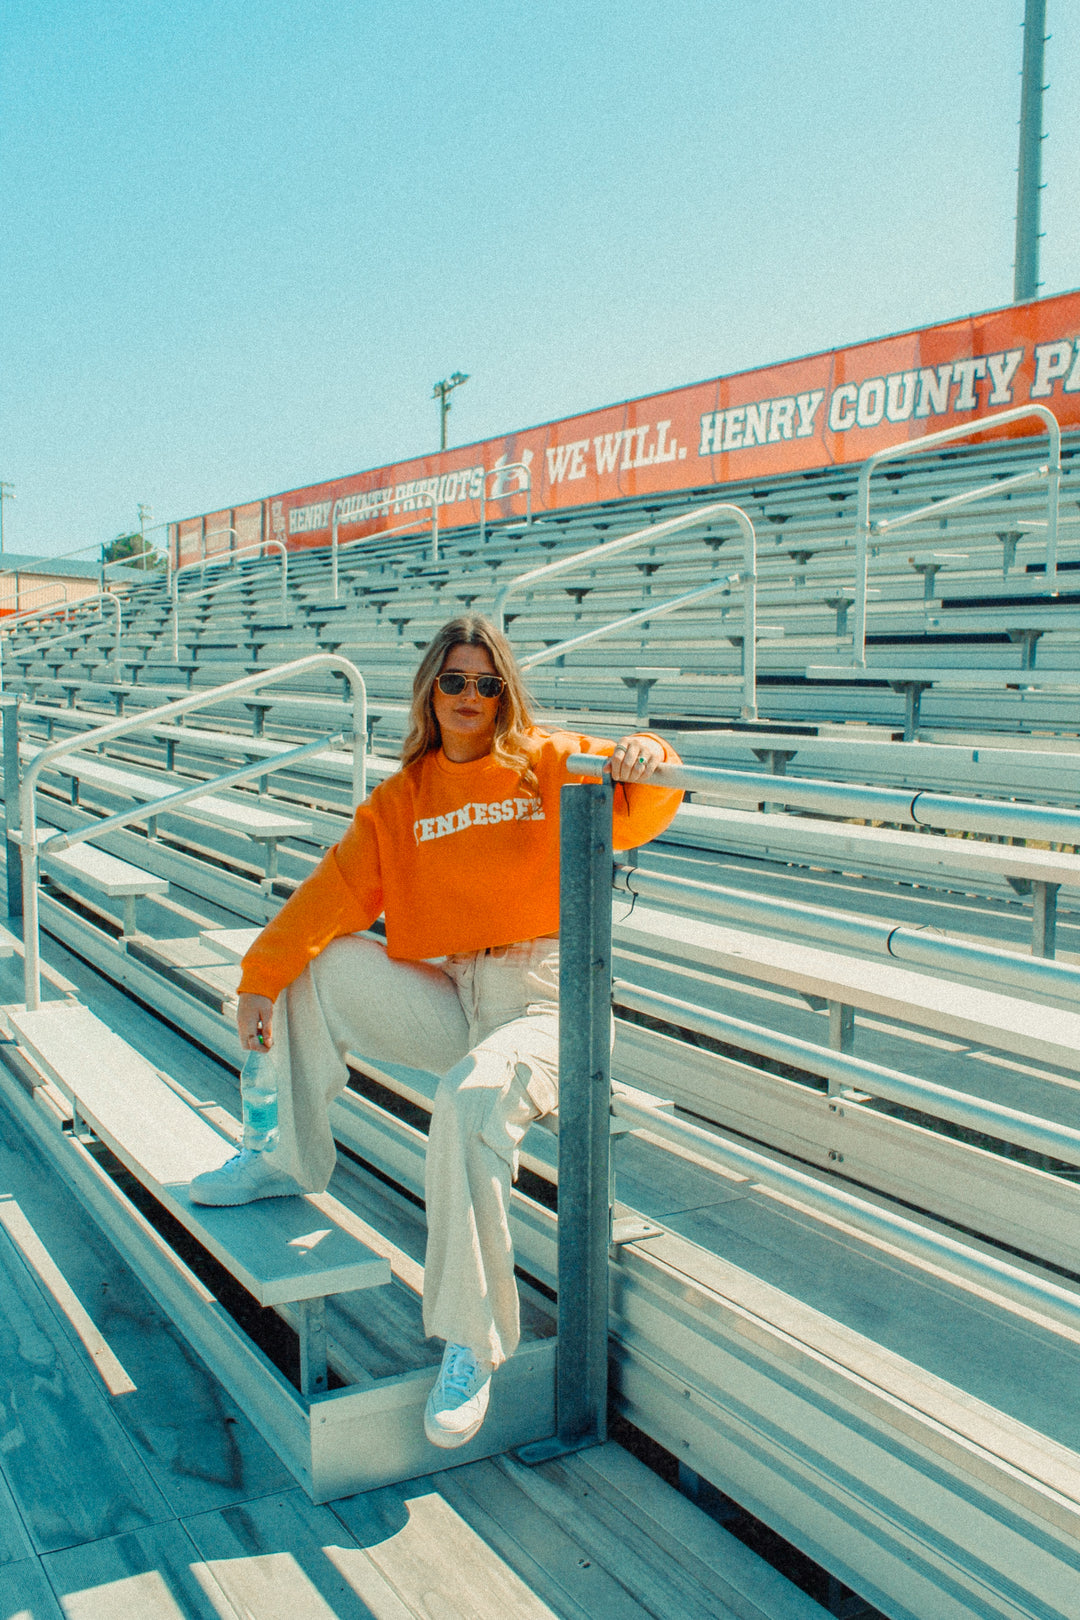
(67, 567)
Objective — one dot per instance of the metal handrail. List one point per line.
(336, 545)
(640, 537)
(211, 535)
(72, 635)
(50, 607)
(720, 586)
(226, 585)
(18, 619)
(940, 811)
(201, 561)
(1033, 975)
(28, 838)
(61, 556)
(53, 843)
(966, 430)
(524, 472)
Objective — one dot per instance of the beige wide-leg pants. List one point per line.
(488, 1025)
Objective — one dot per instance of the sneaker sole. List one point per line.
(447, 1440)
(251, 1198)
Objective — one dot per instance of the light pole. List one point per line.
(1029, 168)
(7, 493)
(145, 512)
(441, 392)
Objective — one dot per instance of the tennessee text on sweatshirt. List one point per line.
(458, 857)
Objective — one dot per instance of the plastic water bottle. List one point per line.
(258, 1095)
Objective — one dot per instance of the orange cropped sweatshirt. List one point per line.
(457, 857)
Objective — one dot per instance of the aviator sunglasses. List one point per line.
(453, 683)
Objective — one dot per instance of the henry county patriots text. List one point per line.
(828, 409)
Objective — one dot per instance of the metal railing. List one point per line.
(866, 529)
(16, 621)
(203, 558)
(30, 846)
(38, 590)
(718, 587)
(643, 537)
(72, 635)
(225, 555)
(64, 556)
(224, 585)
(336, 545)
(524, 472)
(1032, 975)
(848, 1075)
(941, 811)
(586, 1229)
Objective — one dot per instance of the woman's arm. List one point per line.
(342, 896)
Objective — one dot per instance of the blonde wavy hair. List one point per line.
(514, 717)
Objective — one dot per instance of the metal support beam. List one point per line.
(641, 684)
(777, 759)
(9, 705)
(841, 1028)
(1044, 918)
(1029, 640)
(913, 691)
(584, 1121)
(311, 1329)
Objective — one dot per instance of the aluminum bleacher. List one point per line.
(847, 1027)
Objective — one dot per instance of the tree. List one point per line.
(133, 548)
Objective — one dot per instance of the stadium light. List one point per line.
(441, 392)
(145, 512)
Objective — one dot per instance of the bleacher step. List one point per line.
(280, 1249)
(232, 944)
(251, 820)
(105, 873)
(984, 1017)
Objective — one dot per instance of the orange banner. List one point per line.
(829, 409)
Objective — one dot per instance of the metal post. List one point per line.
(641, 685)
(841, 1027)
(524, 472)
(1044, 918)
(1029, 167)
(913, 691)
(9, 706)
(584, 1121)
(311, 1330)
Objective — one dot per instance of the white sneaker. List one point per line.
(242, 1179)
(458, 1404)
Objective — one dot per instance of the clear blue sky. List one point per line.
(240, 240)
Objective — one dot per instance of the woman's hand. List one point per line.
(636, 758)
(254, 1020)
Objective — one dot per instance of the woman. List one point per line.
(459, 850)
